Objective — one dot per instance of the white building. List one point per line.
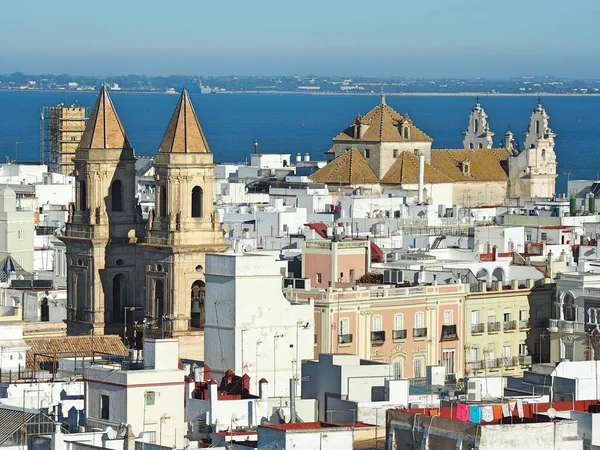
(315, 435)
(13, 348)
(150, 398)
(478, 134)
(250, 326)
(16, 230)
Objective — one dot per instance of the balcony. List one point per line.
(524, 324)
(419, 332)
(377, 337)
(510, 325)
(507, 361)
(398, 335)
(524, 360)
(449, 333)
(478, 328)
(565, 326)
(476, 365)
(493, 327)
(494, 363)
(344, 339)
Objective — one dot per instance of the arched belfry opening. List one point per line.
(119, 296)
(82, 195)
(197, 195)
(116, 196)
(198, 309)
(159, 298)
(163, 201)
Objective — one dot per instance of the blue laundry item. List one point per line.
(475, 412)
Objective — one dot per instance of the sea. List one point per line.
(293, 123)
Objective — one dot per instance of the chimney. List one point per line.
(482, 285)
(498, 285)
(514, 284)
(129, 439)
(529, 283)
(495, 253)
(58, 439)
(306, 157)
(213, 391)
(246, 382)
(298, 157)
(263, 389)
(421, 178)
(292, 400)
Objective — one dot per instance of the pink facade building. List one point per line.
(409, 327)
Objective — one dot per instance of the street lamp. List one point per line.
(125, 309)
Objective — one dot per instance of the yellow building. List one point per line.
(501, 328)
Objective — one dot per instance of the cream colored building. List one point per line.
(497, 326)
(122, 269)
(16, 231)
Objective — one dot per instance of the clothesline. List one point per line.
(489, 412)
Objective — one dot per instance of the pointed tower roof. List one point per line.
(184, 133)
(104, 129)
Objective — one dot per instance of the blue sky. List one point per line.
(423, 38)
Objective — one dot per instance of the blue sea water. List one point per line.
(307, 123)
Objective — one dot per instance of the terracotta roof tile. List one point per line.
(70, 346)
(384, 126)
(349, 168)
(406, 171)
(485, 164)
(104, 129)
(184, 133)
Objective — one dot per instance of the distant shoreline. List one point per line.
(324, 93)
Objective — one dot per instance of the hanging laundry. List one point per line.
(487, 414)
(462, 412)
(497, 412)
(512, 404)
(475, 414)
(505, 410)
(520, 408)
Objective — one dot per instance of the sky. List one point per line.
(418, 38)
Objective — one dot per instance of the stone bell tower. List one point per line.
(103, 225)
(183, 228)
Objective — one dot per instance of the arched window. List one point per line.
(480, 146)
(82, 196)
(163, 201)
(198, 309)
(471, 145)
(398, 365)
(537, 127)
(543, 154)
(116, 199)
(197, 201)
(476, 126)
(159, 298)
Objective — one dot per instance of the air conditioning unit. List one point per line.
(474, 391)
(415, 405)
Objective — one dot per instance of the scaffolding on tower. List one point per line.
(61, 128)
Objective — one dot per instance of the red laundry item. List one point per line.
(462, 412)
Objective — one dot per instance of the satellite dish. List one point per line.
(551, 413)
(111, 433)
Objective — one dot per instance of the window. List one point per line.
(20, 235)
(398, 322)
(506, 317)
(163, 201)
(523, 315)
(150, 397)
(566, 349)
(543, 154)
(528, 237)
(474, 354)
(351, 275)
(104, 407)
(397, 369)
(448, 358)
(476, 126)
(395, 153)
(474, 317)
(491, 316)
(344, 326)
(522, 349)
(20, 261)
(116, 196)
(377, 323)
(448, 318)
(319, 278)
(418, 368)
(480, 146)
(544, 236)
(197, 201)
(471, 145)
(367, 153)
(416, 150)
(419, 320)
(537, 127)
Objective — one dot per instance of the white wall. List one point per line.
(245, 311)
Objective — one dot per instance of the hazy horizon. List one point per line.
(434, 39)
